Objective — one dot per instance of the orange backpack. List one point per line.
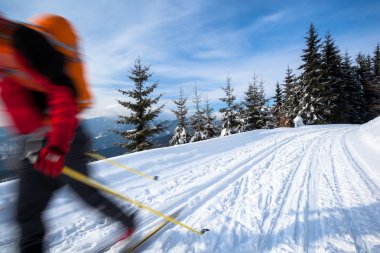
(62, 36)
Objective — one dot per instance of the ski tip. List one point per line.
(155, 178)
(204, 230)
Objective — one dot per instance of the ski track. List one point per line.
(232, 172)
(303, 183)
(288, 191)
(354, 194)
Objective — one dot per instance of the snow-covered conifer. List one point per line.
(209, 129)
(253, 102)
(333, 87)
(261, 100)
(142, 110)
(198, 119)
(269, 118)
(375, 83)
(229, 113)
(180, 135)
(364, 76)
(278, 106)
(312, 105)
(292, 93)
(354, 91)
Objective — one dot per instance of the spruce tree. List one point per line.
(375, 83)
(180, 135)
(278, 106)
(240, 118)
(312, 105)
(143, 112)
(333, 90)
(292, 93)
(269, 118)
(263, 112)
(353, 90)
(375, 99)
(210, 129)
(198, 119)
(252, 104)
(364, 77)
(229, 113)
(376, 60)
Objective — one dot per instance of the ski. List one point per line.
(152, 233)
(138, 244)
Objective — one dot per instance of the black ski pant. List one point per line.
(35, 191)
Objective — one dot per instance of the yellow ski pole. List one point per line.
(163, 224)
(90, 182)
(100, 157)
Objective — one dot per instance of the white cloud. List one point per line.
(210, 78)
(183, 42)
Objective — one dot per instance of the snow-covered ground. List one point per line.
(309, 189)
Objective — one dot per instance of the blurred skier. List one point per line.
(43, 88)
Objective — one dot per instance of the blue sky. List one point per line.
(201, 41)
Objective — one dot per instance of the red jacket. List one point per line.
(52, 101)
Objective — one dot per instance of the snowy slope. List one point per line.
(310, 189)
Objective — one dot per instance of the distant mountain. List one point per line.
(101, 133)
(103, 138)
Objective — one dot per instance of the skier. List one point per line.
(41, 87)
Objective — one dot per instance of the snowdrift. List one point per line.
(371, 133)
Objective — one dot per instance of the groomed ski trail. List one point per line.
(275, 195)
(282, 190)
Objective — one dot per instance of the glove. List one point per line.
(50, 161)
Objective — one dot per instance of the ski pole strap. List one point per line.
(90, 182)
(100, 157)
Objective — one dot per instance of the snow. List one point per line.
(371, 133)
(308, 189)
(298, 121)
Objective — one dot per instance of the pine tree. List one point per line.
(198, 120)
(278, 106)
(229, 113)
(312, 105)
(292, 94)
(180, 135)
(142, 111)
(333, 88)
(210, 129)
